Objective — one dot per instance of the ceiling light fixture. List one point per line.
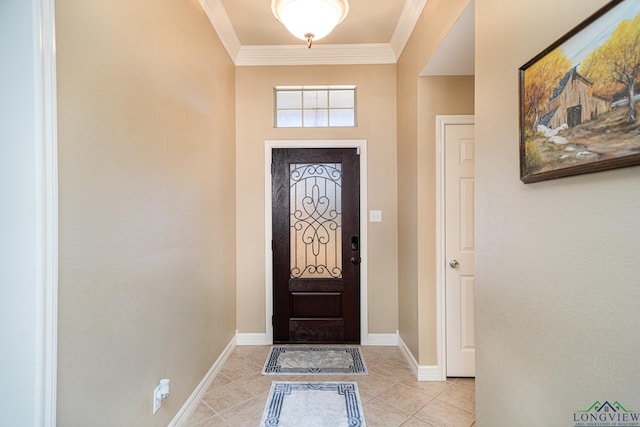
(310, 19)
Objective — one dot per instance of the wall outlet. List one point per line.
(157, 403)
(160, 393)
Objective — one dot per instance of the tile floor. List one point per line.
(391, 396)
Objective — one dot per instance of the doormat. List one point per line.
(309, 404)
(309, 360)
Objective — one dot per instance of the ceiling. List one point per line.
(368, 35)
(363, 24)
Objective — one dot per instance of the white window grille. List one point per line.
(315, 106)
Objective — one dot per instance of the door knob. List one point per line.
(355, 260)
(454, 263)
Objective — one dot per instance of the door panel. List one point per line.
(316, 283)
(467, 320)
(460, 249)
(318, 330)
(315, 304)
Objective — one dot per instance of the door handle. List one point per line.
(355, 260)
(454, 263)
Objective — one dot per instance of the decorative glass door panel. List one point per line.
(316, 220)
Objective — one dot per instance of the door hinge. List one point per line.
(272, 321)
(273, 245)
(273, 168)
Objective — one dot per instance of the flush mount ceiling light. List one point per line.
(310, 19)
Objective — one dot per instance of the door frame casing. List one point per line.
(361, 146)
(33, 278)
(442, 121)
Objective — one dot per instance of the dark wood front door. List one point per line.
(316, 245)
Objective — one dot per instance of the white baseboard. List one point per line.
(193, 401)
(383, 339)
(422, 372)
(251, 339)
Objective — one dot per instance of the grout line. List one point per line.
(207, 405)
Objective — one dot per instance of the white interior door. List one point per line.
(459, 249)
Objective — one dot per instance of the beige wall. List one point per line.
(419, 100)
(557, 273)
(376, 123)
(147, 207)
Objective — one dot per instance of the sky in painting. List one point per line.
(582, 44)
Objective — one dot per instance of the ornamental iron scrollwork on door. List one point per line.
(316, 220)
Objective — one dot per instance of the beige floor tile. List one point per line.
(215, 421)
(394, 354)
(225, 397)
(365, 397)
(394, 370)
(255, 353)
(373, 384)
(345, 378)
(237, 369)
(405, 398)
(466, 382)
(463, 397)
(259, 384)
(372, 355)
(441, 414)
(416, 422)
(378, 413)
(220, 380)
(430, 388)
(201, 413)
(247, 414)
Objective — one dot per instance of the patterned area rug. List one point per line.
(327, 404)
(309, 360)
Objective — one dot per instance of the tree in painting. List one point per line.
(614, 66)
(539, 81)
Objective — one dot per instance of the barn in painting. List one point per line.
(573, 102)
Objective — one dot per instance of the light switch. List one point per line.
(375, 216)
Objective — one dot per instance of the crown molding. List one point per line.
(349, 54)
(343, 54)
(407, 22)
(217, 14)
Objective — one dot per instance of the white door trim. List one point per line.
(441, 122)
(44, 307)
(48, 118)
(47, 170)
(361, 145)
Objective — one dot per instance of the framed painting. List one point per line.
(578, 98)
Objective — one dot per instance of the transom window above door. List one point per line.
(315, 106)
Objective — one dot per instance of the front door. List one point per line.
(316, 245)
